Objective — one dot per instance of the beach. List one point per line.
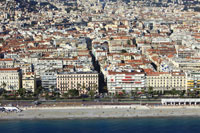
(103, 111)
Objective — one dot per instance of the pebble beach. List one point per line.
(105, 111)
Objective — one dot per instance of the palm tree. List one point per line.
(132, 93)
(136, 90)
(4, 85)
(38, 90)
(150, 90)
(79, 87)
(105, 89)
(91, 93)
(173, 92)
(3, 88)
(124, 92)
(83, 87)
(94, 87)
(52, 87)
(142, 90)
(21, 92)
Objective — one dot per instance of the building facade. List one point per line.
(127, 81)
(193, 81)
(164, 81)
(82, 81)
(29, 81)
(6, 63)
(10, 79)
(48, 79)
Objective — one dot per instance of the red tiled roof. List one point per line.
(9, 69)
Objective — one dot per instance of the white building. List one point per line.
(127, 81)
(48, 79)
(10, 79)
(6, 63)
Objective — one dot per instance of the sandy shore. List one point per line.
(105, 111)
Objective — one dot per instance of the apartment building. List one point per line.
(186, 64)
(6, 63)
(82, 81)
(193, 81)
(127, 81)
(164, 81)
(10, 78)
(29, 81)
(45, 64)
(48, 79)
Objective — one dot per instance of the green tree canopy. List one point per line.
(91, 93)
(22, 92)
(73, 92)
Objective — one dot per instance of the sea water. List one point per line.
(134, 125)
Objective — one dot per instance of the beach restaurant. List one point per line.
(187, 101)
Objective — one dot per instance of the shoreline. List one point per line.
(101, 118)
(102, 112)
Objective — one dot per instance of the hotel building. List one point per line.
(164, 81)
(82, 81)
(127, 81)
(12, 78)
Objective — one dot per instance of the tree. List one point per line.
(173, 92)
(22, 92)
(73, 92)
(52, 87)
(124, 92)
(128, 42)
(150, 90)
(143, 91)
(91, 93)
(65, 95)
(124, 51)
(38, 90)
(83, 89)
(111, 38)
(136, 90)
(3, 90)
(105, 89)
(132, 93)
(79, 87)
(46, 95)
(181, 93)
(56, 93)
(94, 87)
(4, 85)
(134, 41)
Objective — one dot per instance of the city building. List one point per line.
(82, 81)
(6, 63)
(48, 80)
(29, 81)
(164, 81)
(193, 81)
(10, 79)
(125, 81)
